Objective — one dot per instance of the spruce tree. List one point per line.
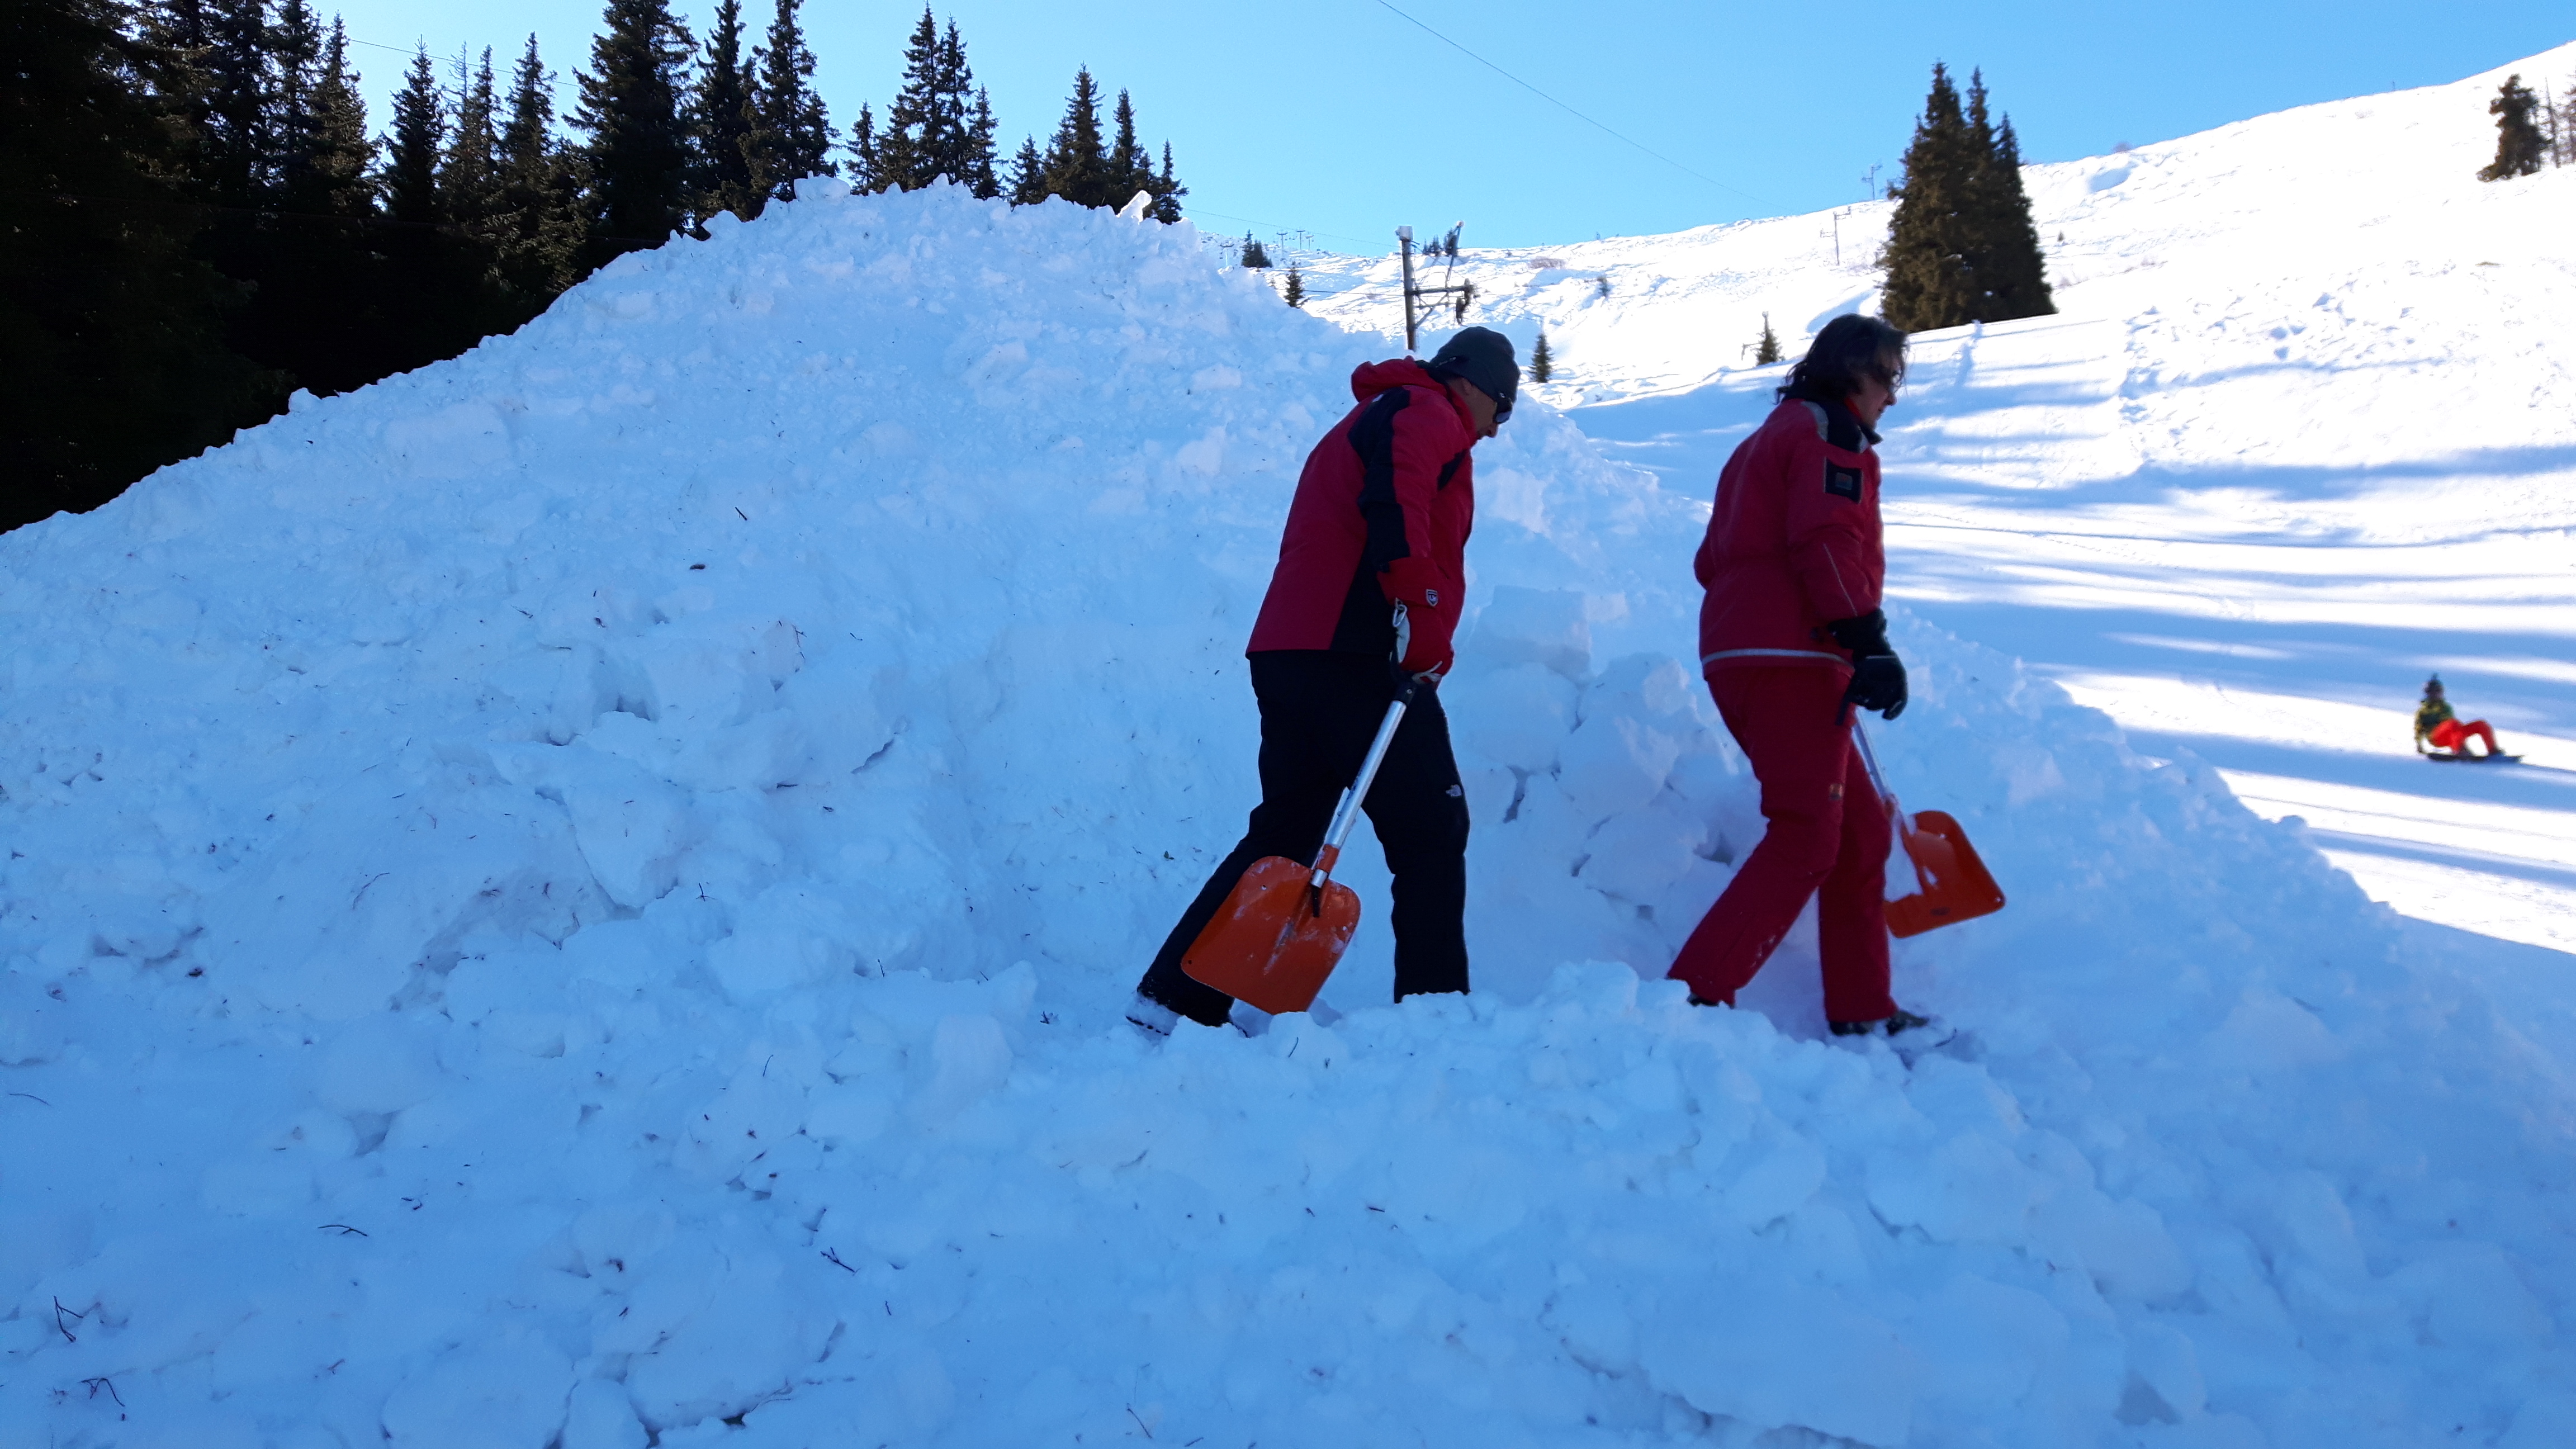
(337, 172)
(729, 173)
(113, 330)
(1131, 169)
(1028, 175)
(906, 148)
(1542, 363)
(639, 144)
(982, 172)
(1766, 350)
(1254, 254)
(862, 168)
(236, 145)
(1077, 165)
(1931, 237)
(469, 173)
(1296, 295)
(2012, 270)
(541, 201)
(295, 65)
(411, 150)
(1167, 191)
(2520, 146)
(796, 129)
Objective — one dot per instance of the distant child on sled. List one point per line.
(2435, 723)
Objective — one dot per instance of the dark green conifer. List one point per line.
(983, 175)
(1254, 254)
(861, 169)
(541, 191)
(1766, 350)
(1931, 236)
(1296, 293)
(2520, 146)
(638, 157)
(1168, 191)
(412, 148)
(113, 330)
(793, 121)
(2012, 271)
(236, 146)
(469, 173)
(1028, 175)
(905, 147)
(1131, 168)
(1542, 363)
(1077, 164)
(730, 159)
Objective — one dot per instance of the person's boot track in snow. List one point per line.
(1792, 641)
(1380, 520)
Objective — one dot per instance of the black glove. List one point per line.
(1878, 676)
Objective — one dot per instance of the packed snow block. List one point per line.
(460, 440)
(379, 1064)
(793, 936)
(333, 920)
(1774, 1352)
(1968, 1189)
(1545, 627)
(1516, 715)
(1636, 717)
(507, 1392)
(601, 1417)
(715, 1331)
(631, 826)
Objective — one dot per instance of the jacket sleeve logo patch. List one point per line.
(1842, 482)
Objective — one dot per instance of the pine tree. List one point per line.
(1767, 350)
(337, 175)
(541, 201)
(1930, 238)
(639, 142)
(1130, 169)
(1296, 295)
(906, 146)
(982, 173)
(1028, 175)
(730, 157)
(1167, 191)
(113, 330)
(2010, 270)
(411, 151)
(2520, 147)
(862, 168)
(795, 126)
(236, 145)
(1076, 166)
(1254, 255)
(295, 62)
(469, 174)
(1542, 363)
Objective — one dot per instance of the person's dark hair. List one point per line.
(1850, 348)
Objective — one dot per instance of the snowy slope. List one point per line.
(583, 896)
(2298, 437)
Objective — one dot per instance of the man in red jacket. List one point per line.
(1791, 639)
(1377, 532)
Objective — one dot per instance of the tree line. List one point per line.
(201, 219)
(2532, 131)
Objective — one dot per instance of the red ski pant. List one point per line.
(2450, 734)
(1825, 830)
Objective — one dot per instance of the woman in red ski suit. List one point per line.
(1792, 638)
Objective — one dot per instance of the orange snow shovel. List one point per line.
(1284, 926)
(1953, 884)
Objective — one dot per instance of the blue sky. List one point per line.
(1343, 118)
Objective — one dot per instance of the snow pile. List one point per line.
(583, 897)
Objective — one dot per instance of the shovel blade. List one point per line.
(1273, 942)
(1954, 884)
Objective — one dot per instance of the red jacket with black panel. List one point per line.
(1794, 541)
(1392, 481)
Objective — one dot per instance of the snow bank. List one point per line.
(583, 897)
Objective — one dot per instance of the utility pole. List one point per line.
(1869, 183)
(1414, 293)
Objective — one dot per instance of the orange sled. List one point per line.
(1284, 926)
(1953, 885)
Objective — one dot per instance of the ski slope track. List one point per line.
(584, 897)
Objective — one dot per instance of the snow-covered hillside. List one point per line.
(2298, 437)
(584, 897)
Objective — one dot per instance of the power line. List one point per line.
(1571, 111)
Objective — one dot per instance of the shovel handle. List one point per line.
(1347, 814)
(1878, 781)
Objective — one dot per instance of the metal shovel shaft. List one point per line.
(1346, 814)
(1878, 781)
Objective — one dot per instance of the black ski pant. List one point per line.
(1319, 712)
